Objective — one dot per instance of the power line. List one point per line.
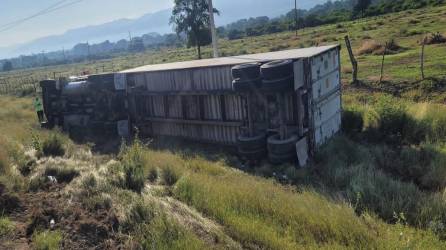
(34, 15)
(59, 5)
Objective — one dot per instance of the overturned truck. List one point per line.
(283, 105)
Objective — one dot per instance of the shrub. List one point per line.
(6, 227)
(133, 164)
(47, 240)
(169, 176)
(392, 116)
(4, 161)
(153, 174)
(352, 121)
(53, 146)
(369, 47)
(37, 183)
(435, 38)
(140, 213)
(375, 48)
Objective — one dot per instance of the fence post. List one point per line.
(382, 63)
(352, 59)
(422, 58)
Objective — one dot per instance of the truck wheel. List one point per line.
(279, 85)
(246, 71)
(240, 85)
(277, 70)
(279, 147)
(249, 144)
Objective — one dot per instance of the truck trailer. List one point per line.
(283, 105)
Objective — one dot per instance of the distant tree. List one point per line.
(137, 45)
(7, 66)
(191, 17)
(235, 34)
(361, 6)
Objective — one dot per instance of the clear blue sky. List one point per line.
(87, 12)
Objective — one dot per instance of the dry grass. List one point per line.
(372, 47)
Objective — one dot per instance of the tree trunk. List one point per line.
(199, 51)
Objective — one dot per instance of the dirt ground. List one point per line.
(81, 229)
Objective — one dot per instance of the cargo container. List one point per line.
(283, 104)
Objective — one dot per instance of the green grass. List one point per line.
(6, 227)
(47, 240)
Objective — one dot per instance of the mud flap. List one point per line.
(302, 152)
(123, 128)
(120, 81)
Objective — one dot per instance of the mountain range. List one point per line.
(230, 10)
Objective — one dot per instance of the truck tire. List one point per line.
(278, 85)
(277, 70)
(249, 144)
(240, 85)
(279, 147)
(246, 71)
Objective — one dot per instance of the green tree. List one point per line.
(361, 6)
(192, 17)
(7, 66)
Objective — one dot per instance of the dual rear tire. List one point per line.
(282, 151)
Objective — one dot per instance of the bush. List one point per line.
(153, 174)
(133, 164)
(6, 227)
(4, 161)
(37, 183)
(352, 121)
(139, 213)
(435, 38)
(392, 116)
(53, 146)
(169, 176)
(47, 240)
(375, 48)
(152, 229)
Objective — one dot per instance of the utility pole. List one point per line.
(214, 32)
(88, 51)
(295, 16)
(64, 56)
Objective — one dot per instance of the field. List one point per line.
(381, 184)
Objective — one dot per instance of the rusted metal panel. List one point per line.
(205, 133)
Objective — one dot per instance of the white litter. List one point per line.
(52, 179)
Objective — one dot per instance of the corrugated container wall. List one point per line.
(195, 99)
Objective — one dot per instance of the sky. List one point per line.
(83, 13)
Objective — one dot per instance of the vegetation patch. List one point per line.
(6, 227)
(53, 146)
(134, 166)
(435, 38)
(47, 240)
(375, 48)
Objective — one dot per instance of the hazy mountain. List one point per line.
(231, 10)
